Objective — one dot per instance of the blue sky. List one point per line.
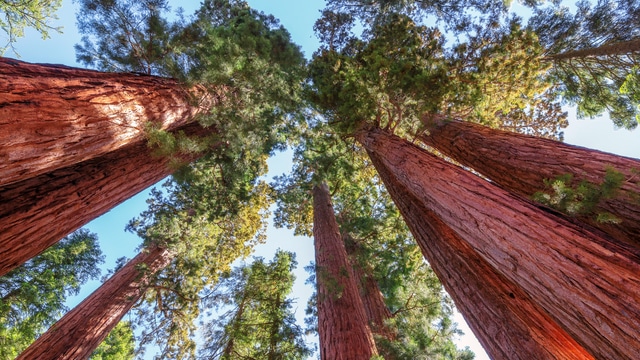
(298, 17)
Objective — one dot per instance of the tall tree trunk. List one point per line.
(589, 284)
(77, 334)
(375, 308)
(619, 48)
(53, 116)
(520, 164)
(342, 323)
(506, 321)
(38, 212)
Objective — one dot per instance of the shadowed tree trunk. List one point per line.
(520, 164)
(37, 213)
(342, 322)
(54, 116)
(79, 332)
(508, 324)
(587, 282)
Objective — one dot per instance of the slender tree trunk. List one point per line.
(342, 323)
(53, 116)
(38, 212)
(520, 164)
(229, 350)
(619, 48)
(589, 284)
(506, 321)
(77, 334)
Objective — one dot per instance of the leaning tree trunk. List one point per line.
(619, 48)
(54, 116)
(521, 163)
(79, 332)
(37, 213)
(506, 321)
(342, 323)
(587, 282)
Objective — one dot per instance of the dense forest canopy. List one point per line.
(399, 68)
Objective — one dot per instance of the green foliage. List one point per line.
(118, 345)
(32, 296)
(631, 88)
(16, 15)
(581, 198)
(207, 235)
(593, 83)
(402, 76)
(423, 321)
(252, 317)
(126, 35)
(385, 82)
(455, 15)
(499, 80)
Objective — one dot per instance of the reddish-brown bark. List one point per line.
(587, 282)
(520, 164)
(53, 116)
(77, 334)
(38, 212)
(342, 322)
(503, 317)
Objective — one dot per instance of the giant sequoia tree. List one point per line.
(492, 221)
(253, 316)
(506, 321)
(179, 229)
(118, 114)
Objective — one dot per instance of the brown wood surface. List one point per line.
(520, 164)
(505, 320)
(54, 116)
(586, 282)
(342, 322)
(38, 212)
(79, 332)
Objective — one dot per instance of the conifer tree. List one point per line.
(253, 316)
(595, 54)
(33, 295)
(506, 321)
(118, 345)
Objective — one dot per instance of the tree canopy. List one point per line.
(18, 15)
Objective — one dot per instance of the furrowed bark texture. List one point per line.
(620, 48)
(508, 324)
(79, 332)
(53, 116)
(37, 213)
(520, 164)
(589, 284)
(342, 322)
